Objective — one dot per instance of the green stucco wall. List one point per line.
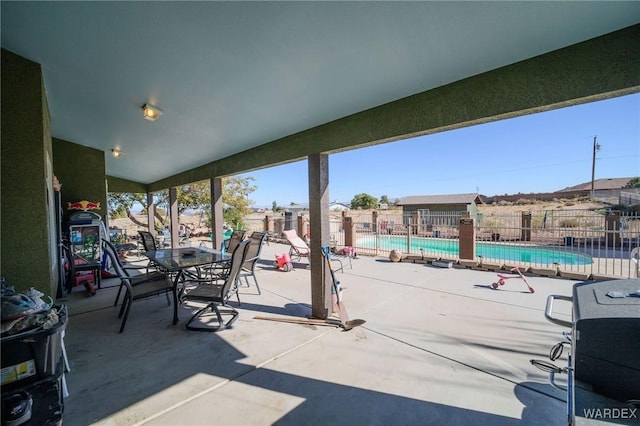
(115, 184)
(81, 171)
(27, 206)
(28, 239)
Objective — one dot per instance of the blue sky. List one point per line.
(541, 152)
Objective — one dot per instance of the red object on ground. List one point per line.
(502, 278)
(283, 262)
(87, 278)
(107, 274)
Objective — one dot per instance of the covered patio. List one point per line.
(249, 85)
(439, 346)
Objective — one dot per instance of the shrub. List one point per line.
(523, 201)
(569, 223)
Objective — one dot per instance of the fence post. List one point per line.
(349, 231)
(525, 232)
(268, 224)
(467, 241)
(415, 218)
(374, 221)
(612, 229)
(302, 228)
(278, 226)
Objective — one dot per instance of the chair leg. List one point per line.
(294, 255)
(124, 305)
(257, 285)
(115, 303)
(243, 275)
(237, 290)
(341, 268)
(127, 302)
(218, 312)
(253, 274)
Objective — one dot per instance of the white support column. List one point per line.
(174, 219)
(217, 217)
(151, 214)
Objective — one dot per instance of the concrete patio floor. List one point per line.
(439, 347)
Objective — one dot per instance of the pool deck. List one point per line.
(439, 346)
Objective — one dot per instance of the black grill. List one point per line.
(604, 365)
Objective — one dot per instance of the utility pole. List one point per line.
(596, 147)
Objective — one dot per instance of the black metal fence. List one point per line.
(587, 242)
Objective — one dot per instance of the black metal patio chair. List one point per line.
(251, 258)
(136, 287)
(216, 294)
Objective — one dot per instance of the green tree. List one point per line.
(197, 196)
(384, 199)
(633, 183)
(235, 197)
(364, 201)
(121, 203)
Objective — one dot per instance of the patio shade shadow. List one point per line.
(332, 403)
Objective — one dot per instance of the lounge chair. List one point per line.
(299, 247)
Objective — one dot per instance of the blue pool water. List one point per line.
(505, 252)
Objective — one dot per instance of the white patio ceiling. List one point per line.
(234, 75)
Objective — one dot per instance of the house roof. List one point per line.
(337, 205)
(297, 206)
(440, 199)
(600, 184)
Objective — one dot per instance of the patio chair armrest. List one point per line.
(133, 267)
(139, 279)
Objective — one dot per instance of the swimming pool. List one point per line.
(504, 252)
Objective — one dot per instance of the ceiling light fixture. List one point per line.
(116, 153)
(150, 112)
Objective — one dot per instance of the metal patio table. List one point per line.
(176, 261)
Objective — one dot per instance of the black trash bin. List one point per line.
(32, 369)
